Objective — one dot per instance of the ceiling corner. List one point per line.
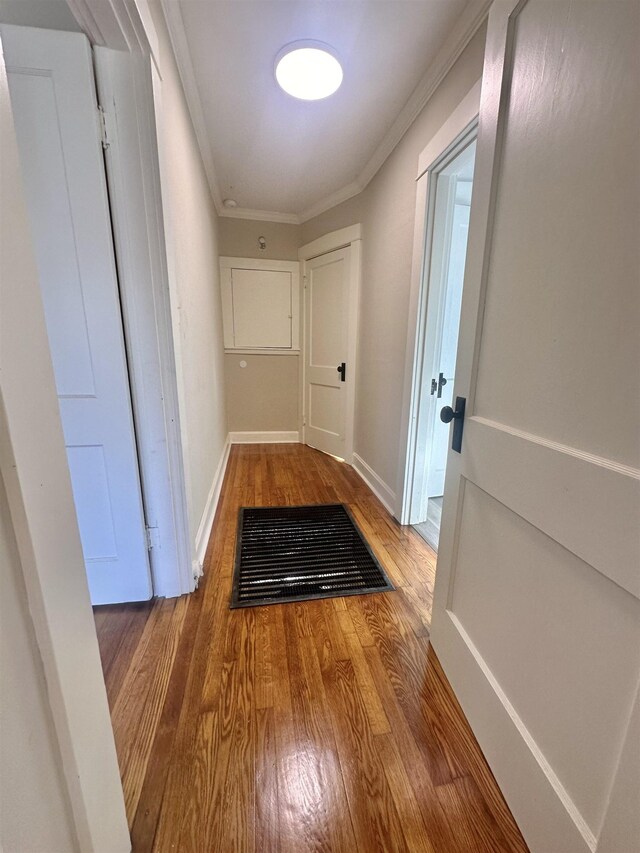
(178, 37)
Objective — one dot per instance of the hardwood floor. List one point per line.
(325, 725)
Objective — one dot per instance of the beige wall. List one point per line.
(348, 213)
(239, 239)
(35, 814)
(386, 209)
(263, 396)
(196, 306)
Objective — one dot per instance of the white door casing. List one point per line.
(124, 83)
(537, 600)
(331, 267)
(53, 98)
(422, 327)
(445, 242)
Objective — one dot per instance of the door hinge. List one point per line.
(153, 537)
(102, 128)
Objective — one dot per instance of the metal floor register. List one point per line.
(301, 552)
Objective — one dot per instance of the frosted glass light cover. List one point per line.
(308, 71)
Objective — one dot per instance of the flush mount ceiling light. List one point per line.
(308, 70)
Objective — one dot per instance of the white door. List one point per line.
(537, 602)
(54, 104)
(328, 374)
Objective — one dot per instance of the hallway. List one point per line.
(323, 725)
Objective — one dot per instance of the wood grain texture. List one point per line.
(312, 726)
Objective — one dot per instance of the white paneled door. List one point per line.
(537, 601)
(54, 104)
(328, 375)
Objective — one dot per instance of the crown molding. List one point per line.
(463, 31)
(329, 201)
(465, 28)
(178, 37)
(260, 215)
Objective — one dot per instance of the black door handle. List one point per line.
(447, 414)
(436, 385)
(342, 370)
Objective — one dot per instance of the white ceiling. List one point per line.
(271, 152)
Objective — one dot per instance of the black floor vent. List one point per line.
(300, 552)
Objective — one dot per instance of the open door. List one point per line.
(448, 206)
(57, 124)
(537, 601)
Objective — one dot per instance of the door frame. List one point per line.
(341, 239)
(462, 123)
(125, 93)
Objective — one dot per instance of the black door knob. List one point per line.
(447, 415)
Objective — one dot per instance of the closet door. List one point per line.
(54, 104)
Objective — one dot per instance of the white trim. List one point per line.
(174, 301)
(292, 437)
(245, 351)
(332, 200)
(463, 118)
(330, 242)
(118, 24)
(259, 215)
(385, 495)
(206, 522)
(178, 36)
(124, 85)
(227, 265)
(463, 31)
(514, 756)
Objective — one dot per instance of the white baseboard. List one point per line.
(385, 495)
(264, 437)
(206, 522)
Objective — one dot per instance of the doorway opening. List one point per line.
(448, 206)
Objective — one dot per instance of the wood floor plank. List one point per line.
(325, 726)
(472, 824)
(373, 813)
(267, 809)
(412, 822)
